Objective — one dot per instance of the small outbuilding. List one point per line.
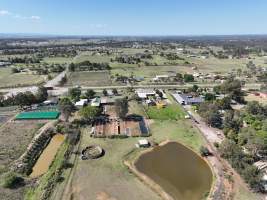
(144, 143)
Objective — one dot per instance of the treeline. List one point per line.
(133, 59)
(88, 66)
(245, 130)
(24, 60)
(171, 56)
(24, 98)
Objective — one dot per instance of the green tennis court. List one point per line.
(38, 115)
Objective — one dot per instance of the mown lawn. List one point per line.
(171, 112)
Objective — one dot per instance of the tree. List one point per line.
(224, 103)
(233, 88)
(89, 112)
(253, 177)
(41, 94)
(105, 92)
(66, 107)
(188, 78)
(121, 107)
(90, 93)
(209, 97)
(14, 70)
(115, 91)
(10, 180)
(210, 113)
(72, 67)
(75, 93)
(195, 88)
(25, 99)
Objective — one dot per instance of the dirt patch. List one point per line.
(104, 196)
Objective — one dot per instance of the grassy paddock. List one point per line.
(8, 79)
(89, 78)
(171, 112)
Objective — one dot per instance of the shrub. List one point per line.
(204, 151)
(10, 180)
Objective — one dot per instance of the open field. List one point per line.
(15, 137)
(252, 97)
(57, 60)
(7, 79)
(7, 113)
(88, 79)
(172, 112)
(212, 64)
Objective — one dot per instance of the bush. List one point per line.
(204, 151)
(216, 144)
(10, 180)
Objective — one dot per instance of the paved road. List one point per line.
(52, 83)
(62, 90)
(55, 81)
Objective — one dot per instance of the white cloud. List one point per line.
(35, 17)
(18, 16)
(4, 12)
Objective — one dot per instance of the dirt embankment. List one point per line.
(25, 163)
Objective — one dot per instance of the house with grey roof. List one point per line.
(187, 99)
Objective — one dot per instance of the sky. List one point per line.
(134, 17)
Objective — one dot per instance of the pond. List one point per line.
(179, 171)
(46, 158)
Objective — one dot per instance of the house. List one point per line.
(95, 102)
(187, 99)
(81, 103)
(145, 93)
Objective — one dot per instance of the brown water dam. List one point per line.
(178, 170)
(46, 158)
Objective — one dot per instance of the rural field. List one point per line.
(88, 79)
(252, 97)
(7, 79)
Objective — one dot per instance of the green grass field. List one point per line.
(88, 79)
(57, 60)
(171, 112)
(7, 79)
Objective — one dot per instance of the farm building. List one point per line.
(145, 93)
(187, 99)
(95, 102)
(81, 103)
(143, 143)
(160, 78)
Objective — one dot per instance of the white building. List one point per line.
(81, 103)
